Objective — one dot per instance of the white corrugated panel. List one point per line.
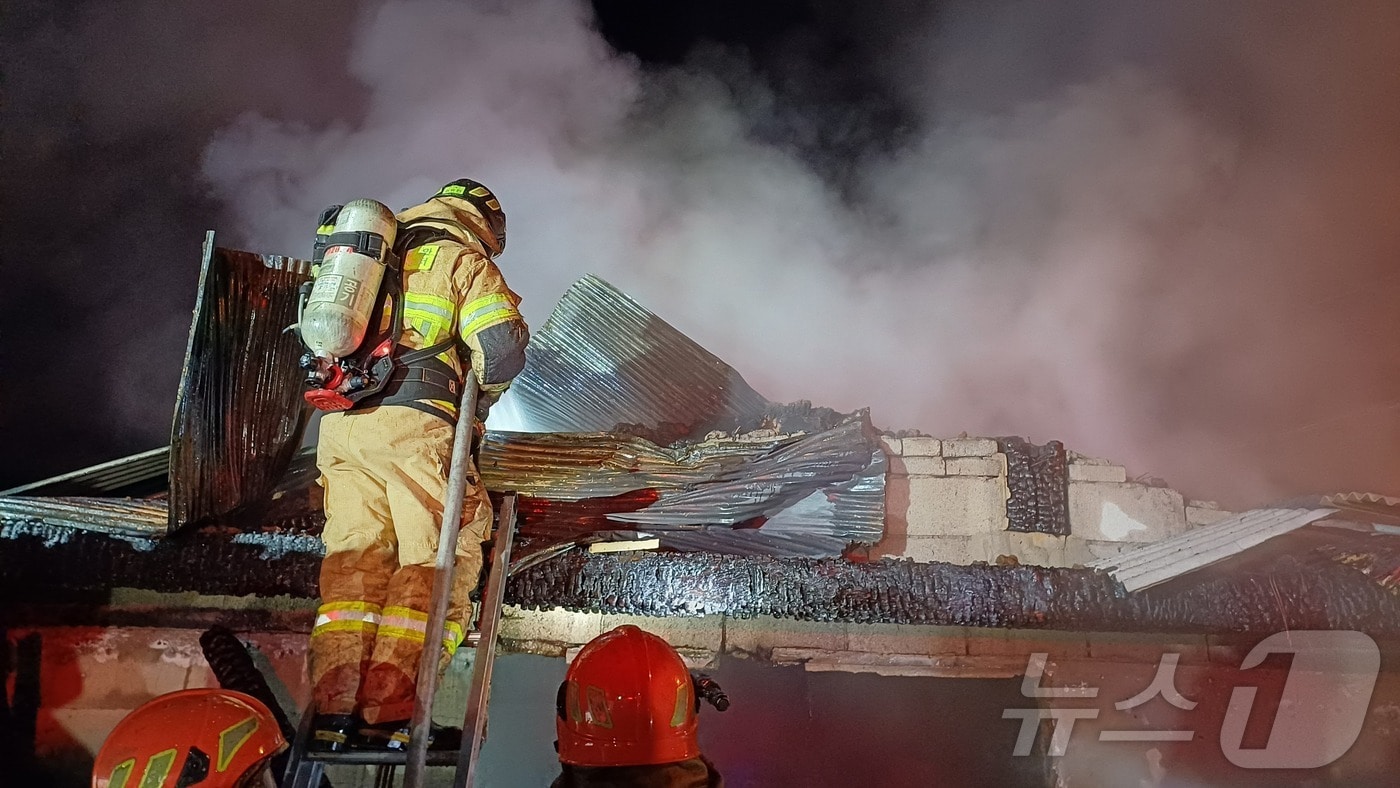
(107, 476)
(1170, 558)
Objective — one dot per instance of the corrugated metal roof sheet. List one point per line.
(140, 517)
(1371, 506)
(602, 360)
(808, 495)
(107, 477)
(239, 415)
(1178, 555)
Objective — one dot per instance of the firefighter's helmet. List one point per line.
(208, 738)
(627, 700)
(486, 204)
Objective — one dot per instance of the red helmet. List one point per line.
(208, 738)
(627, 700)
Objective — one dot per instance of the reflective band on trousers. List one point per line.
(346, 617)
(410, 624)
(484, 313)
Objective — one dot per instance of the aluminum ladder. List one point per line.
(304, 768)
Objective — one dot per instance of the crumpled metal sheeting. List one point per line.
(809, 495)
(139, 517)
(1288, 594)
(575, 467)
(602, 360)
(822, 524)
(771, 482)
(239, 416)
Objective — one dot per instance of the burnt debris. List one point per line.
(1038, 477)
(1261, 593)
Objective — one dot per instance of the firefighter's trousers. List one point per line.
(385, 470)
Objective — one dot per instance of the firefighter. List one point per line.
(626, 716)
(384, 466)
(212, 738)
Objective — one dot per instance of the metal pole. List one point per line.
(416, 771)
(491, 600)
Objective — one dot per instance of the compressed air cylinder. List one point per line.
(337, 313)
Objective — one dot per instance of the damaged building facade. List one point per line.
(850, 586)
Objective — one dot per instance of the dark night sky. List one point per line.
(1164, 233)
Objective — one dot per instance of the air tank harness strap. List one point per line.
(417, 378)
(363, 241)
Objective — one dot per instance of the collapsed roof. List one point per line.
(634, 430)
(752, 500)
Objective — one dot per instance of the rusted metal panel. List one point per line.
(602, 360)
(239, 415)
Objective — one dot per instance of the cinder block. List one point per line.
(907, 639)
(918, 466)
(1200, 515)
(1079, 472)
(922, 447)
(891, 446)
(557, 625)
(1125, 512)
(976, 466)
(969, 447)
(961, 550)
(759, 636)
(1032, 549)
(705, 633)
(1024, 642)
(955, 506)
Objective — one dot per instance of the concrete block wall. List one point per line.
(946, 501)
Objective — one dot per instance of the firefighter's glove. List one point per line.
(484, 401)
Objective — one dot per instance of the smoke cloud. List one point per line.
(1163, 234)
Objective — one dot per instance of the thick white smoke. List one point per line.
(1101, 256)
